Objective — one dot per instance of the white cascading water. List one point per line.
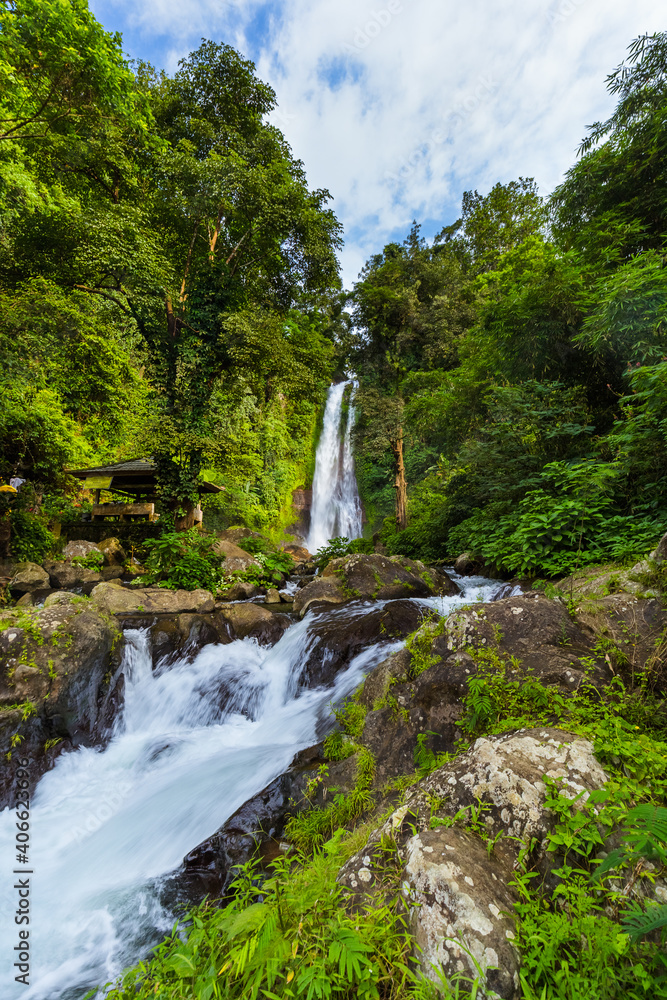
(193, 743)
(336, 508)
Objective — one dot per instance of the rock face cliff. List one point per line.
(60, 681)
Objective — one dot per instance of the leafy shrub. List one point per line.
(343, 742)
(31, 539)
(309, 829)
(274, 562)
(567, 523)
(341, 546)
(94, 560)
(182, 561)
(419, 645)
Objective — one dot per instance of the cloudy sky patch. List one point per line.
(398, 106)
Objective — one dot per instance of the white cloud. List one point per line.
(397, 106)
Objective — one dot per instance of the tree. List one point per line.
(492, 225)
(410, 309)
(243, 235)
(70, 109)
(218, 224)
(613, 202)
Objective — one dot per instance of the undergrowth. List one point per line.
(285, 935)
(597, 933)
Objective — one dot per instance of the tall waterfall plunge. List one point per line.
(336, 508)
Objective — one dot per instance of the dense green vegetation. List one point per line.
(520, 358)
(169, 286)
(168, 281)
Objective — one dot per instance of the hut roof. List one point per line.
(135, 476)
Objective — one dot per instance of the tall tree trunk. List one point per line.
(400, 484)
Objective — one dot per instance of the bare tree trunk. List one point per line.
(400, 484)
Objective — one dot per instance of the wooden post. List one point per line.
(187, 519)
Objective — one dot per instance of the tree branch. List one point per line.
(105, 295)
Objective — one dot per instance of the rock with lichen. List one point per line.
(451, 848)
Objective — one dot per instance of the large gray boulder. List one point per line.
(235, 559)
(114, 553)
(29, 577)
(320, 591)
(242, 590)
(252, 621)
(299, 553)
(339, 637)
(550, 645)
(533, 637)
(78, 549)
(659, 554)
(466, 564)
(65, 576)
(372, 577)
(117, 600)
(457, 893)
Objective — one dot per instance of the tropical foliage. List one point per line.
(521, 358)
(168, 281)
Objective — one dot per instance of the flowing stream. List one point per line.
(336, 508)
(109, 826)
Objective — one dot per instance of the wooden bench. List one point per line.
(124, 511)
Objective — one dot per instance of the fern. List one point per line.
(638, 923)
(645, 836)
(481, 705)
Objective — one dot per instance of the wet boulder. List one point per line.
(251, 621)
(113, 551)
(409, 694)
(372, 577)
(299, 553)
(466, 564)
(60, 665)
(182, 636)
(65, 576)
(242, 590)
(659, 554)
(344, 634)
(235, 559)
(118, 600)
(546, 642)
(257, 826)
(79, 548)
(320, 591)
(27, 578)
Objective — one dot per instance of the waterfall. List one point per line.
(336, 508)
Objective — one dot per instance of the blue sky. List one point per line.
(398, 106)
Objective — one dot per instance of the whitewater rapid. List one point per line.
(194, 741)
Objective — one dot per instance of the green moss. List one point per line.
(420, 642)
